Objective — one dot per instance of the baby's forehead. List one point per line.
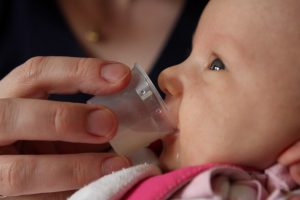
(269, 13)
(269, 27)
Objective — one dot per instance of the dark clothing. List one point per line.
(37, 28)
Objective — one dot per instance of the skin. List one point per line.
(248, 113)
(53, 147)
(29, 166)
(129, 31)
(291, 158)
(32, 171)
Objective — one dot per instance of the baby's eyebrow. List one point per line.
(233, 41)
(236, 47)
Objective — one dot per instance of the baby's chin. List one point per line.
(169, 158)
(173, 158)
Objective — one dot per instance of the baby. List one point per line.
(236, 99)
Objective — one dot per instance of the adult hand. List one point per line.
(291, 158)
(26, 115)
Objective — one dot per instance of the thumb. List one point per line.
(291, 155)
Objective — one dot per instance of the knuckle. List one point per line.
(7, 117)
(32, 69)
(80, 175)
(15, 176)
(81, 68)
(60, 119)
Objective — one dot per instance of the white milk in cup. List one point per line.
(142, 114)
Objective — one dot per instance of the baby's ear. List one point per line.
(291, 156)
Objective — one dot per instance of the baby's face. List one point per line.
(236, 98)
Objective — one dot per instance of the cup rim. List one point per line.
(151, 85)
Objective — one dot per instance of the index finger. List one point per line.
(40, 76)
(34, 119)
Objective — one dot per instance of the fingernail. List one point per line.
(101, 122)
(114, 72)
(113, 164)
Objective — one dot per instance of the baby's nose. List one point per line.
(169, 81)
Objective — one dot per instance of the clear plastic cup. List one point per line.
(142, 114)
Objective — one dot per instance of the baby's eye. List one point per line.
(217, 65)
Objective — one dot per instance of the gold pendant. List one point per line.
(92, 36)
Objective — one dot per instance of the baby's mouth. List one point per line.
(158, 145)
(172, 136)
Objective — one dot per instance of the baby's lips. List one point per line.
(171, 135)
(157, 146)
(170, 138)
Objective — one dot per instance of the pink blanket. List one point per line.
(211, 181)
